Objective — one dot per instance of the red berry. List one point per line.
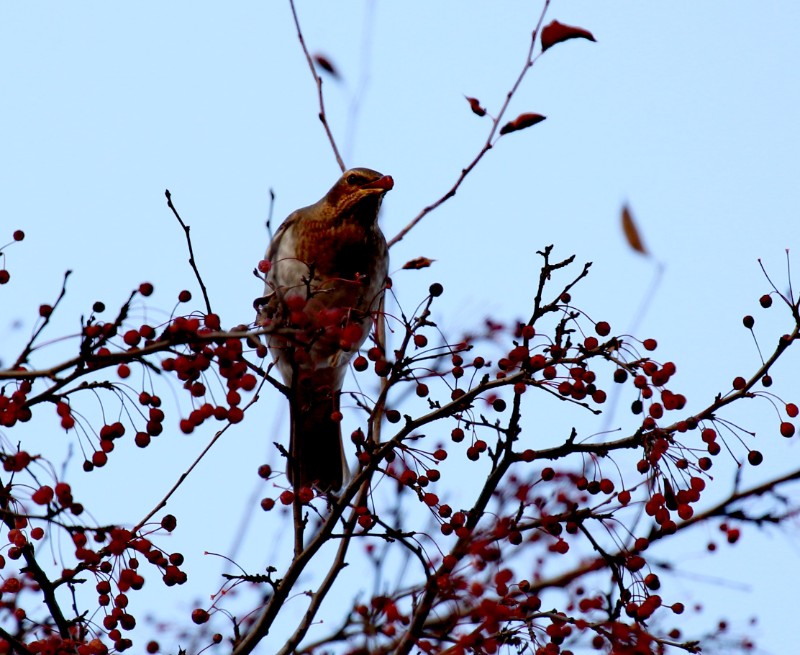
(5, 276)
(651, 581)
(43, 495)
(19, 235)
(755, 457)
(146, 289)
(603, 329)
(199, 616)
(169, 522)
(650, 344)
(131, 337)
(184, 296)
(787, 429)
(765, 300)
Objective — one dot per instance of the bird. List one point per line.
(327, 270)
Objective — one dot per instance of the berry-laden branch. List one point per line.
(564, 367)
(476, 578)
(625, 557)
(32, 566)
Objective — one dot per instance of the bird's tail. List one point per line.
(315, 447)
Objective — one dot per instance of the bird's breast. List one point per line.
(344, 250)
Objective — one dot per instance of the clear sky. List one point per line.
(687, 111)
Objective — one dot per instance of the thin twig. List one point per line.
(186, 229)
(23, 357)
(163, 502)
(318, 80)
(270, 213)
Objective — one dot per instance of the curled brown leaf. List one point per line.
(418, 263)
(557, 32)
(475, 106)
(632, 232)
(521, 122)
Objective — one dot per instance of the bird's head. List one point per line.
(359, 192)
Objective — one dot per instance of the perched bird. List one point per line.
(328, 264)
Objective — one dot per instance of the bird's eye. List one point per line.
(352, 179)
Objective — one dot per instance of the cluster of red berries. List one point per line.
(14, 407)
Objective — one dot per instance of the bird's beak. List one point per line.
(384, 183)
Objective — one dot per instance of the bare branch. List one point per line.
(186, 229)
(318, 81)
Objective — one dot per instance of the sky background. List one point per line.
(686, 111)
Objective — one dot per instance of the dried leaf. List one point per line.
(631, 232)
(521, 122)
(557, 32)
(325, 64)
(418, 263)
(669, 496)
(475, 106)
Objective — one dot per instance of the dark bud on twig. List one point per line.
(325, 64)
(475, 106)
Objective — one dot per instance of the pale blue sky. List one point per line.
(688, 111)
